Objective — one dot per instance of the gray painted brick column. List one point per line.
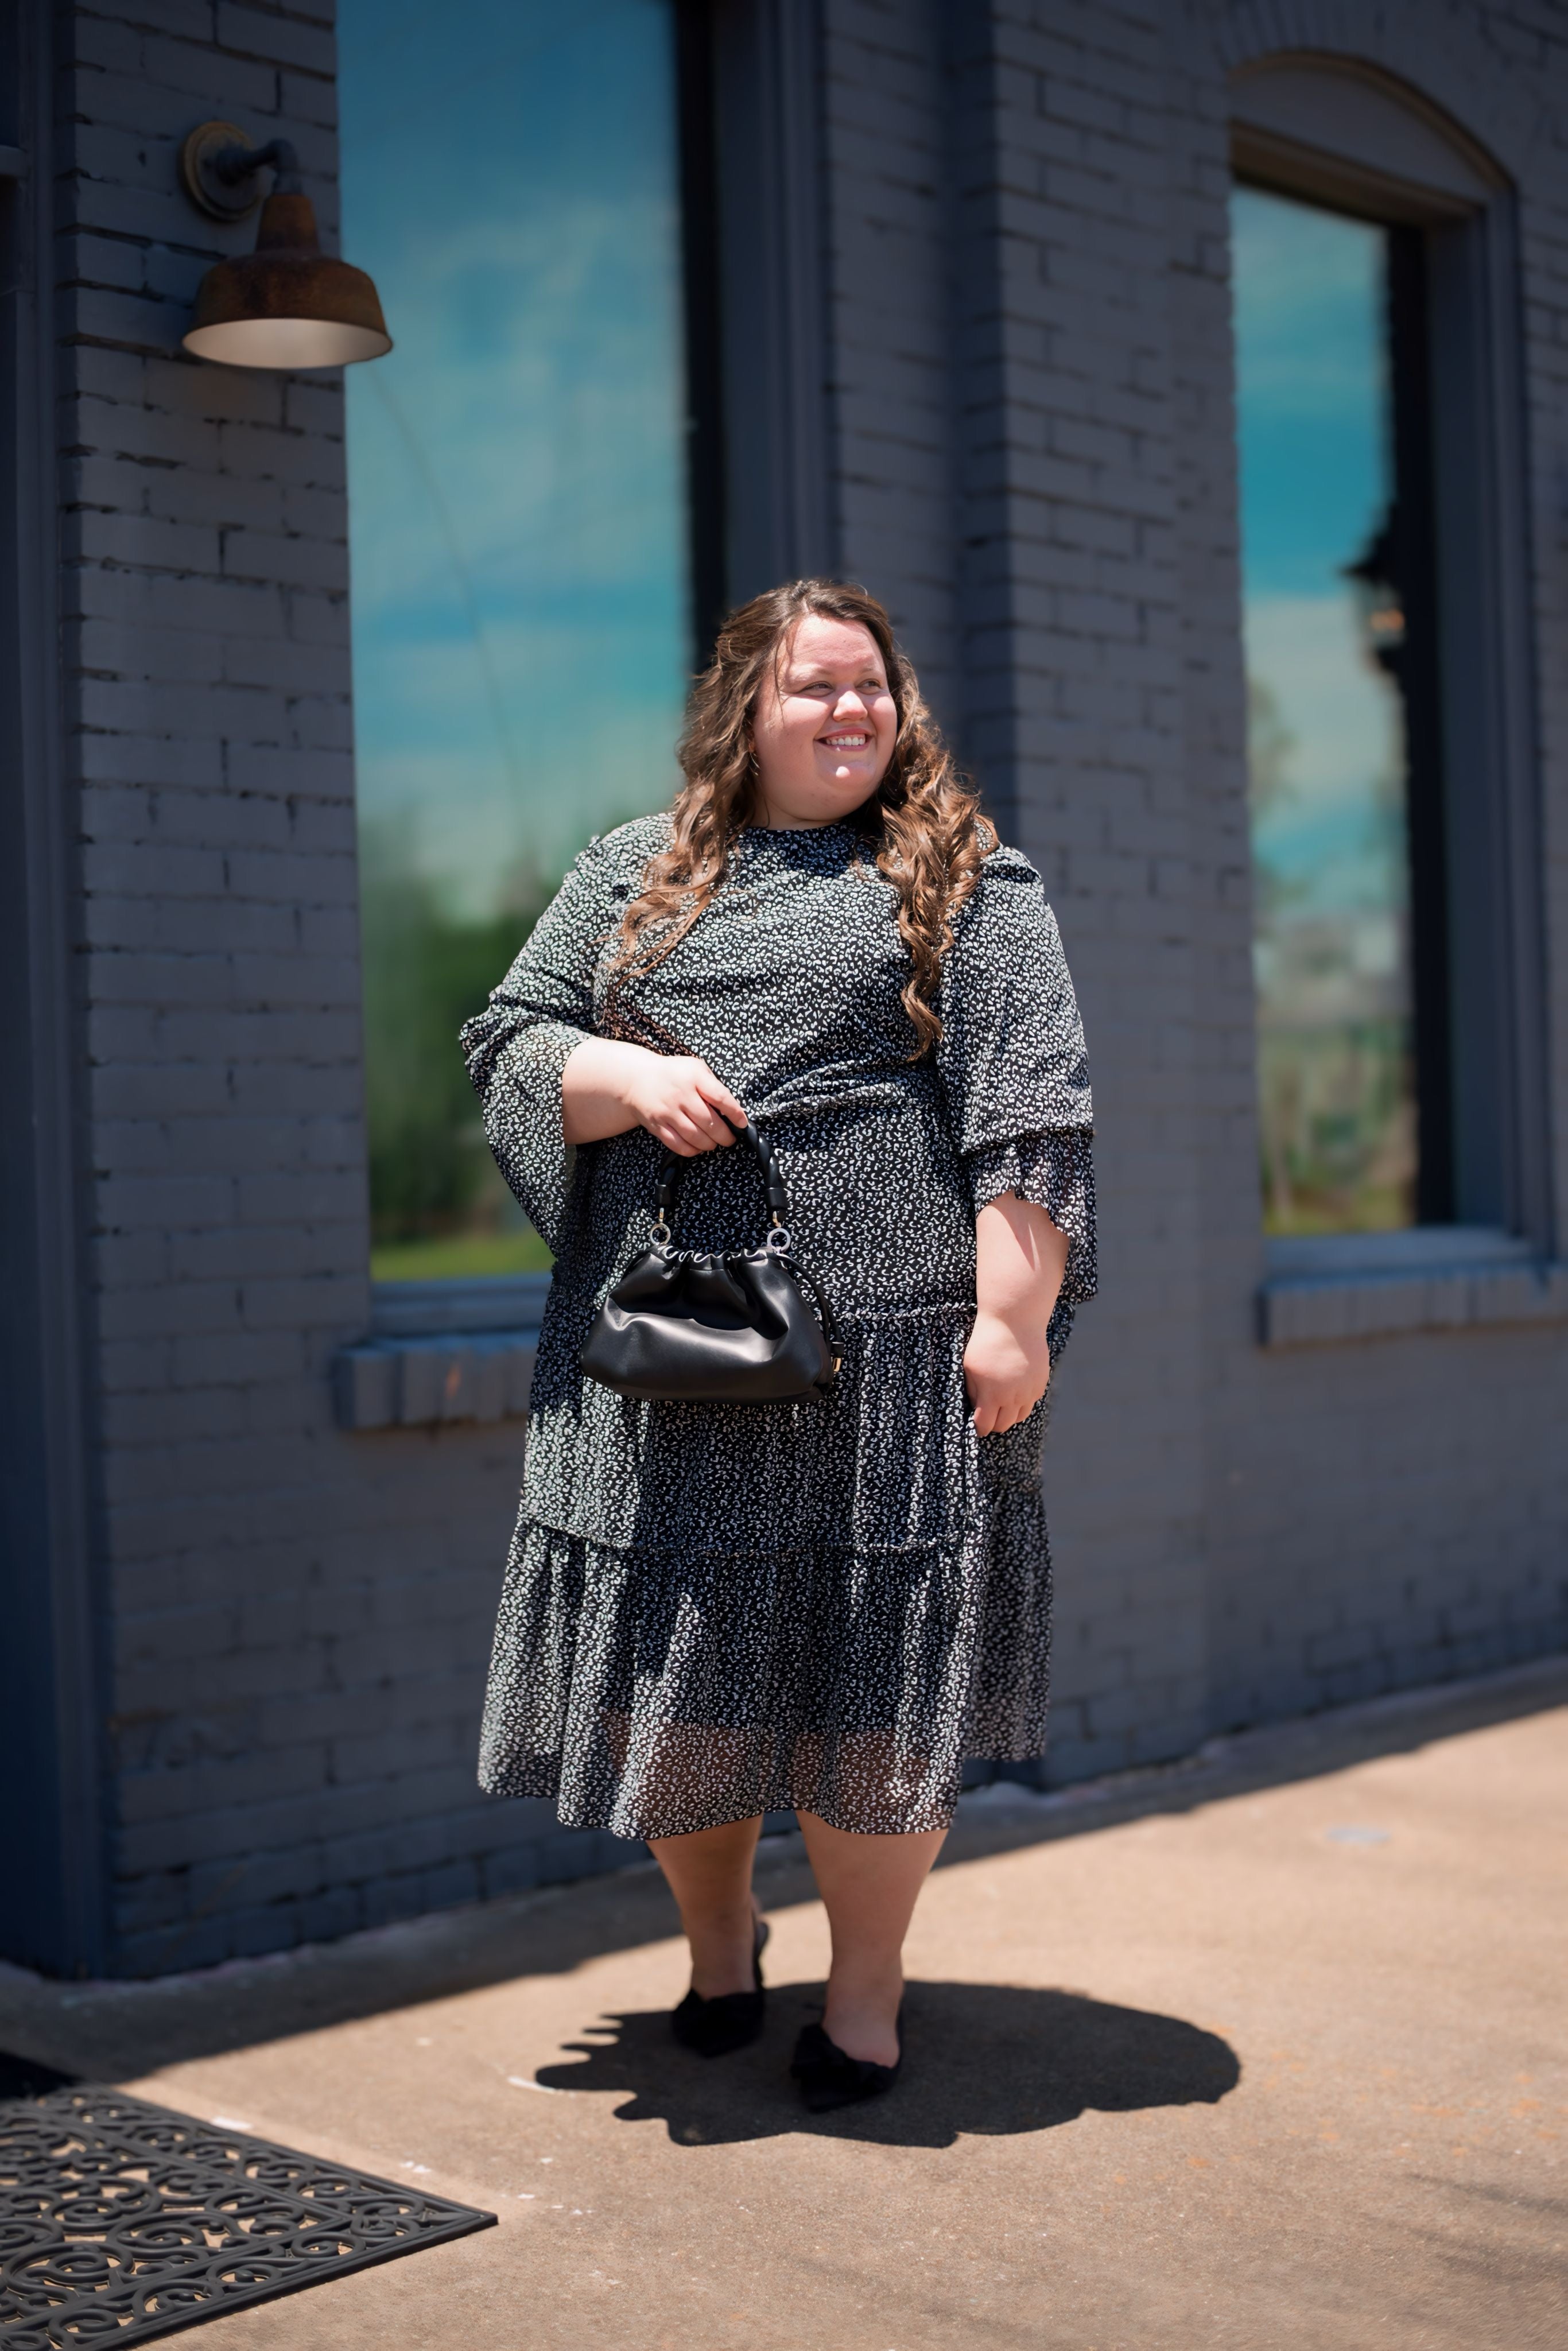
(299, 1616)
(1040, 564)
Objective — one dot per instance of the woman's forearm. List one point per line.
(608, 1087)
(1020, 1259)
(596, 1089)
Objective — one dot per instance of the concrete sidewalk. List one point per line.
(1267, 2056)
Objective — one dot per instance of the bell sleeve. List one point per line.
(1012, 1063)
(517, 1050)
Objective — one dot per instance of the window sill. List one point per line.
(442, 1352)
(1381, 1285)
(506, 1301)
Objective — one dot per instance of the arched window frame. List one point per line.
(1336, 132)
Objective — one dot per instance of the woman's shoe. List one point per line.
(714, 2027)
(828, 2077)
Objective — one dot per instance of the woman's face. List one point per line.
(824, 726)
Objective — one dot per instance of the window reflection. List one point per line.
(518, 522)
(1326, 731)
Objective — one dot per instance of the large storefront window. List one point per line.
(518, 530)
(1335, 496)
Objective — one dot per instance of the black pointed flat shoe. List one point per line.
(714, 2027)
(830, 2077)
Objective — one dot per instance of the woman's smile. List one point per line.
(848, 747)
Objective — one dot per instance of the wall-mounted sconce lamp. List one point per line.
(288, 304)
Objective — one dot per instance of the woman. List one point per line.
(827, 1606)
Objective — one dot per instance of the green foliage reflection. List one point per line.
(426, 969)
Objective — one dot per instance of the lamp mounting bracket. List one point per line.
(218, 167)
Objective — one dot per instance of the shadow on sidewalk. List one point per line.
(123, 2030)
(987, 2059)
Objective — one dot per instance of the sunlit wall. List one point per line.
(518, 524)
(1326, 736)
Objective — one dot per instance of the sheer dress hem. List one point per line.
(654, 1694)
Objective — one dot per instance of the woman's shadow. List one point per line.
(980, 2058)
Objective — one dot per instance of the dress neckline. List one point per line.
(793, 831)
(820, 852)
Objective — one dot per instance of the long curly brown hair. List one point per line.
(929, 832)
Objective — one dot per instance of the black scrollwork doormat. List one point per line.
(119, 2221)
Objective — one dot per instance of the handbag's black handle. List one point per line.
(673, 1169)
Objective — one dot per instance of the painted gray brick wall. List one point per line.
(300, 1619)
(1030, 394)
(1059, 507)
(1395, 1511)
(1237, 1533)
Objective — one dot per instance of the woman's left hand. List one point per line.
(1006, 1370)
(1019, 1257)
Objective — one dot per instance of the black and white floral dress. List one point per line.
(714, 1610)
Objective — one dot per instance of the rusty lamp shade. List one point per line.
(288, 304)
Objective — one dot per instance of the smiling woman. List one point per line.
(521, 614)
(824, 1590)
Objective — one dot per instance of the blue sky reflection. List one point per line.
(1313, 399)
(518, 499)
(1326, 744)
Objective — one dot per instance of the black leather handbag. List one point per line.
(733, 1328)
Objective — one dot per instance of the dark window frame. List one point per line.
(750, 77)
(1475, 813)
(707, 504)
(1413, 568)
(1402, 559)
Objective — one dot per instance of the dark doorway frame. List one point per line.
(53, 1858)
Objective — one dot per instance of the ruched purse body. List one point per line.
(740, 1326)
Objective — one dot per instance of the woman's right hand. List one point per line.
(608, 1087)
(681, 1102)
